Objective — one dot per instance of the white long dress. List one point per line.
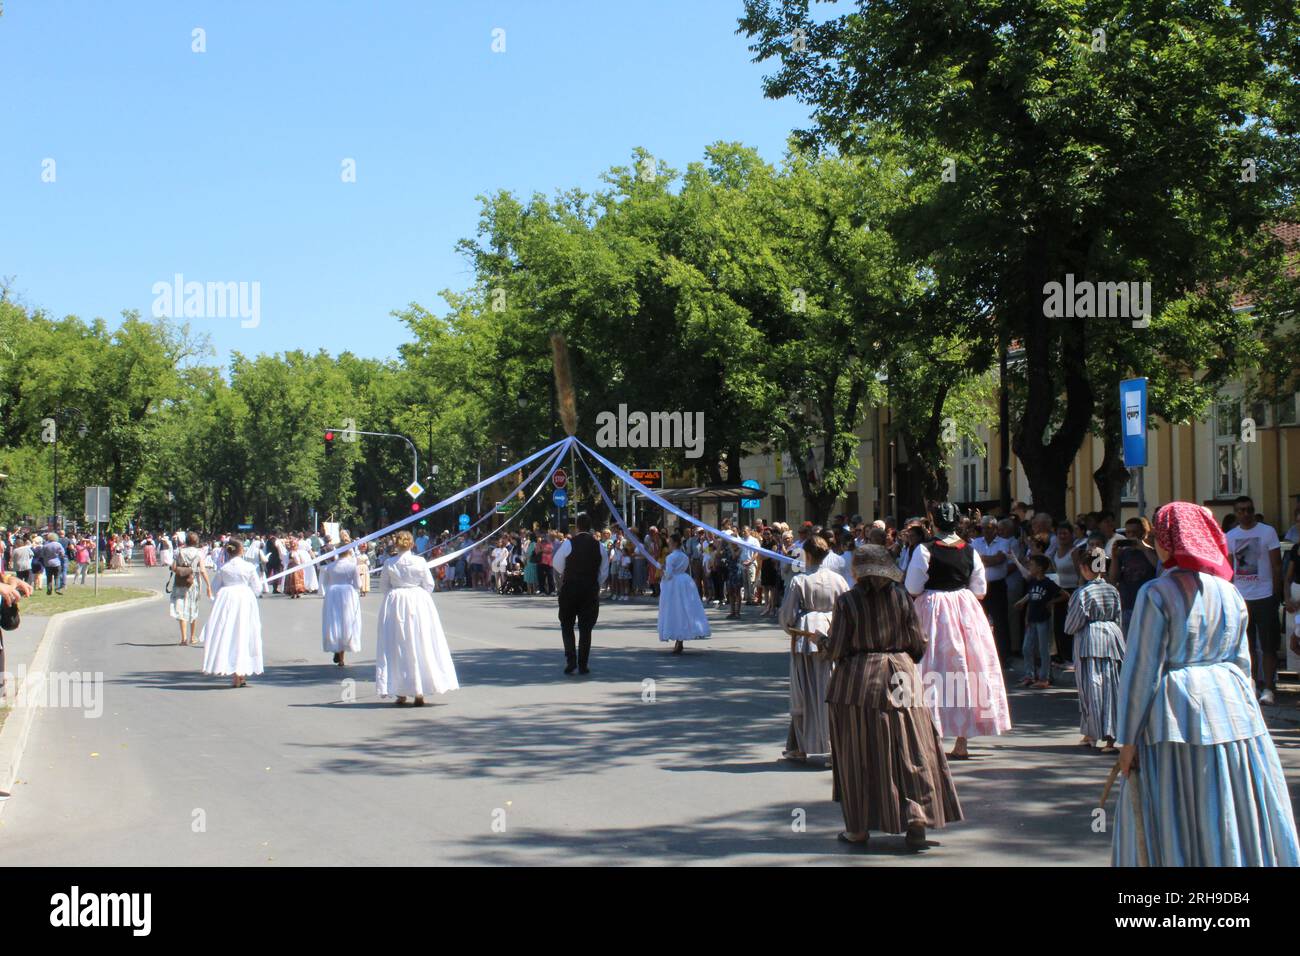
(232, 636)
(310, 581)
(681, 613)
(341, 616)
(411, 655)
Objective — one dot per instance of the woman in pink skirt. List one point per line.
(960, 673)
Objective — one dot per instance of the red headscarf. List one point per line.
(1193, 539)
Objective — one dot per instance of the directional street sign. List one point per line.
(559, 479)
(415, 489)
(97, 500)
(560, 497)
(750, 502)
(463, 522)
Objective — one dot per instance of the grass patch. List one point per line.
(75, 598)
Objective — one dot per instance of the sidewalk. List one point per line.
(27, 651)
(20, 650)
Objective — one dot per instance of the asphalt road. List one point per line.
(522, 765)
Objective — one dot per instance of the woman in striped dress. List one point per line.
(1093, 618)
(806, 617)
(888, 769)
(1202, 782)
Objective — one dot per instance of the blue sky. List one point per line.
(225, 166)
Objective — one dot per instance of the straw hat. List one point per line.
(873, 560)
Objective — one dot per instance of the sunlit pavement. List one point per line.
(651, 759)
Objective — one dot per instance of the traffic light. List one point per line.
(415, 506)
(329, 443)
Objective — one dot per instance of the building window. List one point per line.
(1286, 411)
(973, 471)
(1229, 452)
(778, 507)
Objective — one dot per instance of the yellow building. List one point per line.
(1210, 462)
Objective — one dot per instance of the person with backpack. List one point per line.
(187, 567)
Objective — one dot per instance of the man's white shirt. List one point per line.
(562, 553)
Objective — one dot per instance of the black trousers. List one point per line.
(582, 607)
(1064, 642)
(545, 578)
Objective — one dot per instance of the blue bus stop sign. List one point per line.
(749, 502)
(560, 497)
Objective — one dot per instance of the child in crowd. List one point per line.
(734, 570)
(1094, 618)
(623, 587)
(1041, 594)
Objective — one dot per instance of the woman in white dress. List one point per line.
(681, 613)
(411, 657)
(232, 636)
(341, 615)
(310, 580)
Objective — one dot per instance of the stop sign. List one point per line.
(559, 478)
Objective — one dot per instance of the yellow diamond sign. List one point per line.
(415, 489)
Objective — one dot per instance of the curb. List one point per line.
(18, 725)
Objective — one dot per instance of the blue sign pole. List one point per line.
(1133, 429)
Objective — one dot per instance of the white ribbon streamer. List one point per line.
(618, 517)
(670, 507)
(553, 463)
(416, 515)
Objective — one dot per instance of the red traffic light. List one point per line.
(329, 436)
(415, 506)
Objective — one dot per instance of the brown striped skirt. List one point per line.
(889, 771)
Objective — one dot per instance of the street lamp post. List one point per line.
(51, 429)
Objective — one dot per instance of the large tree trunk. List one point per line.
(1112, 476)
(1047, 464)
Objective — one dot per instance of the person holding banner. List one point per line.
(411, 656)
(341, 613)
(681, 613)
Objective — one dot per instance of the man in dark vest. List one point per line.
(582, 565)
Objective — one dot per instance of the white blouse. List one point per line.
(235, 572)
(409, 570)
(918, 571)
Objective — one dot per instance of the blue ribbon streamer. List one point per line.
(415, 516)
(618, 517)
(670, 507)
(553, 463)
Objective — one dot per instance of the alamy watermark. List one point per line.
(76, 690)
(1098, 300)
(179, 299)
(653, 430)
(951, 690)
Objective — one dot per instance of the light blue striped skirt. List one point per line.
(1216, 805)
(1098, 681)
